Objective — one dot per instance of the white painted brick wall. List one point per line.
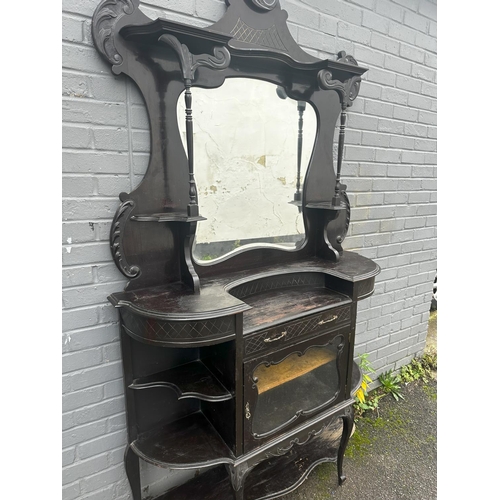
(390, 170)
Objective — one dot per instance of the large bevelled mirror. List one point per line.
(252, 146)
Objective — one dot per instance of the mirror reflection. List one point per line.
(252, 146)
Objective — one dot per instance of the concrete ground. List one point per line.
(393, 453)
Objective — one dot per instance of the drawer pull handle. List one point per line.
(248, 415)
(323, 321)
(274, 339)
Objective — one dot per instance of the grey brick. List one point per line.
(387, 250)
(76, 137)
(71, 492)
(81, 58)
(401, 32)
(415, 129)
(75, 276)
(375, 22)
(385, 78)
(72, 29)
(94, 376)
(395, 198)
(385, 184)
(430, 60)
(385, 43)
(111, 139)
(366, 55)
(92, 337)
(379, 109)
(108, 87)
(353, 33)
(111, 185)
(388, 156)
(113, 389)
(372, 170)
(79, 360)
(77, 186)
(102, 444)
(88, 111)
(398, 65)
(394, 95)
(426, 42)
(86, 253)
(415, 21)
(389, 9)
(102, 481)
(99, 411)
(88, 295)
(405, 113)
(402, 142)
(83, 209)
(409, 4)
(368, 199)
(305, 16)
(78, 399)
(316, 40)
(83, 468)
(370, 90)
(95, 162)
(79, 318)
(423, 73)
(212, 10)
(407, 83)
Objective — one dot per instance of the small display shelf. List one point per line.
(192, 380)
(167, 217)
(188, 443)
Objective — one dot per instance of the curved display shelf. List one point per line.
(167, 447)
(192, 380)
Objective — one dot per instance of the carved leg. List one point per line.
(133, 473)
(238, 475)
(348, 421)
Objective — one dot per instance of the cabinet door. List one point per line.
(287, 386)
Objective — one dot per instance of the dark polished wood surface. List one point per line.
(194, 334)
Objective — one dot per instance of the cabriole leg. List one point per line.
(348, 421)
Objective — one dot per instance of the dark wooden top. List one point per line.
(177, 302)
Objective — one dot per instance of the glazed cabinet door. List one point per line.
(286, 386)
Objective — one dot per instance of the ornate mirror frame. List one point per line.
(165, 59)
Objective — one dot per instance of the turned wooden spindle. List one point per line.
(343, 116)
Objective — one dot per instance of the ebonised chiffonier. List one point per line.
(237, 350)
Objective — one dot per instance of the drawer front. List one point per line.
(281, 335)
(158, 332)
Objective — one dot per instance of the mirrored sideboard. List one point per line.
(238, 321)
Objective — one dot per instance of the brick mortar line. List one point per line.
(116, 398)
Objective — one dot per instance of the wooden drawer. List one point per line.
(281, 335)
(158, 332)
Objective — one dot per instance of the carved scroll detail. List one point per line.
(107, 14)
(353, 85)
(115, 240)
(341, 237)
(190, 63)
(282, 450)
(327, 82)
(265, 4)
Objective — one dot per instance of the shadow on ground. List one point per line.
(393, 453)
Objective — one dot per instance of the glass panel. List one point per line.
(246, 151)
(297, 384)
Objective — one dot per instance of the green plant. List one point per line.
(390, 383)
(419, 368)
(364, 401)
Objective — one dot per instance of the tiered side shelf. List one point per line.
(188, 443)
(192, 380)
